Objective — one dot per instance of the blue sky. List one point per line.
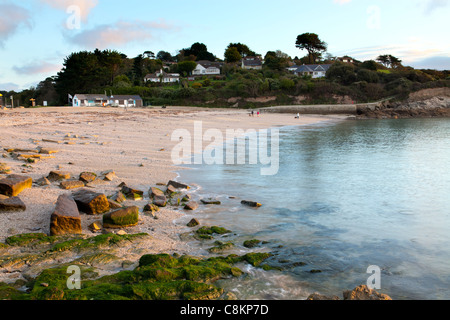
(36, 35)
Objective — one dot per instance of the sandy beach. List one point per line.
(135, 143)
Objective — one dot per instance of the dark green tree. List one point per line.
(311, 43)
(232, 55)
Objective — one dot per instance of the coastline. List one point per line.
(135, 144)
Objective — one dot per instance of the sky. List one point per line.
(37, 35)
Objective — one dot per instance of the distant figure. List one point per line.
(258, 113)
(253, 113)
(298, 116)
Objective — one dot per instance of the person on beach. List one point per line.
(298, 116)
(258, 113)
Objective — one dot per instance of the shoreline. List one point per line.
(135, 144)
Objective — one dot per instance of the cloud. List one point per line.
(12, 18)
(438, 63)
(37, 67)
(117, 34)
(85, 6)
(9, 86)
(432, 5)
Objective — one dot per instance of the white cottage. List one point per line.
(206, 68)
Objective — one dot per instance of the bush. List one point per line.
(197, 85)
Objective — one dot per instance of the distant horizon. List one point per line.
(37, 35)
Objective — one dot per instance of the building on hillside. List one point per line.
(89, 100)
(251, 63)
(313, 70)
(207, 68)
(162, 77)
(346, 59)
(125, 101)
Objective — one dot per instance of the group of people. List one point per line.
(252, 114)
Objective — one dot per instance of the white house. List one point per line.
(313, 70)
(206, 68)
(89, 100)
(125, 101)
(162, 77)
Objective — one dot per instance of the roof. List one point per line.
(164, 74)
(252, 62)
(126, 97)
(312, 68)
(209, 64)
(82, 96)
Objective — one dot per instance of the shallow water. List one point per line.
(347, 196)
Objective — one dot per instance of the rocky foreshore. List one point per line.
(429, 103)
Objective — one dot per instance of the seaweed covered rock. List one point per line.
(125, 217)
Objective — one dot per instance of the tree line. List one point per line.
(111, 71)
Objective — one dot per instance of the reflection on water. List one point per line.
(347, 196)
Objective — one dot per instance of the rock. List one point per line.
(193, 223)
(317, 296)
(95, 227)
(72, 184)
(192, 205)
(119, 197)
(160, 202)
(96, 183)
(14, 184)
(114, 204)
(91, 202)
(4, 169)
(43, 182)
(158, 197)
(364, 293)
(178, 185)
(121, 233)
(151, 208)
(133, 194)
(110, 176)
(58, 176)
(47, 151)
(12, 204)
(88, 177)
(186, 198)
(122, 218)
(171, 189)
(66, 218)
(251, 203)
(210, 201)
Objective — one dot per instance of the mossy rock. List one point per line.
(28, 239)
(8, 292)
(252, 243)
(220, 247)
(212, 230)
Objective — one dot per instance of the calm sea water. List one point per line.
(347, 196)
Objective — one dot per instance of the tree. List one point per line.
(186, 67)
(149, 54)
(243, 49)
(232, 55)
(389, 61)
(199, 51)
(164, 56)
(311, 43)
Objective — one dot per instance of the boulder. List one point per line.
(95, 227)
(251, 203)
(171, 189)
(11, 204)
(91, 202)
(66, 218)
(321, 297)
(87, 177)
(364, 293)
(110, 176)
(210, 201)
(191, 205)
(14, 184)
(119, 197)
(122, 218)
(158, 197)
(47, 151)
(151, 208)
(178, 185)
(131, 193)
(72, 184)
(193, 223)
(114, 204)
(43, 182)
(58, 176)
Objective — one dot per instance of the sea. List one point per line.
(354, 202)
